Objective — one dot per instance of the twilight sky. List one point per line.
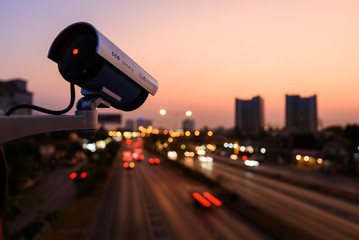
(203, 53)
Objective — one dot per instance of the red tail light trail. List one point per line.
(211, 198)
(201, 199)
(83, 175)
(73, 175)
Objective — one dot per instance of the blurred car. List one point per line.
(137, 150)
(127, 156)
(154, 161)
(204, 159)
(138, 144)
(138, 156)
(205, 199)
(129, 165)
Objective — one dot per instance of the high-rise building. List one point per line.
(249, 115)
(130, 125)
(301, 113)
(144, 122)
(188, 125)
(14, 93)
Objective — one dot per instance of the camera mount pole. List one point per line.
(3, 188)
(85, 118)
(85, 121)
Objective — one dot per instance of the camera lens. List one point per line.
(79, 62)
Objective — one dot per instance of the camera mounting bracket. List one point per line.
(85, 118)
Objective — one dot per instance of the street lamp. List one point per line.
(164, 112)
(188, 113)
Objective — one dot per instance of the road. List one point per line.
(315, 214)
(155, 202)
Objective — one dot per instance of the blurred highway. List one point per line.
(155, 202)
(318, 215)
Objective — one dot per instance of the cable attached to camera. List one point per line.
(44, 110)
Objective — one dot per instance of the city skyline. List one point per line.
(175, 119)
(203, 54)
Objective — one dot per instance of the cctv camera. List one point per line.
(88, 59)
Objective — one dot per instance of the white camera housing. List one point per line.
(88, 59)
